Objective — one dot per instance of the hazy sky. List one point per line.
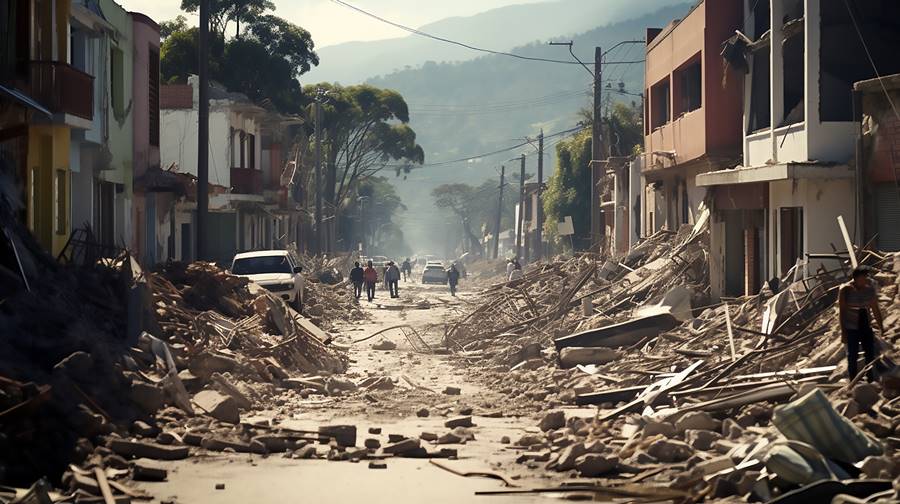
(330, 23)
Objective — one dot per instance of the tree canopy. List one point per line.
(263, 61)
(568, 190)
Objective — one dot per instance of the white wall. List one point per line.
(822, 201)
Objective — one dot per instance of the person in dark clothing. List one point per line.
(453, 278)
(858, 301)
(392, 275)
(357, 277)
(370, 276)
(406, 268)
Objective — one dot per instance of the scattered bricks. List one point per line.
(357, 454)
(452, 391)
(667, 450)
(594, 465)
(402, 447)
(218, 405)
(698, 420)
(149, 398)
(464, 433)
(569, 455)
(143, 429)
(465, 410)
(277, 372)
(422, 413)
(731, 430)
(866, 395)
(879, 427)
(167, 438)
(701, 439)
(141, 470)
(428, 436)
(384, 345)
(372, 444)
(220, 486)
(377, 465)
(192, 438)
(448, 453)
(306, 452)
(345, 435)
(336, 385)
(115, 461)
(460, 421)
(724, 446)
(217, 444)
(714, 465)
(553, 420)
(396, 438)
(82, 482)
(375, 430)
(643, 458)
(654, 428)
(132, 449)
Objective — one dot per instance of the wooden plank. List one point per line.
(847, 242)
(730, 333)
(104, 486)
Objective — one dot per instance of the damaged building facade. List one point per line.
(692, 120)
(779, 208)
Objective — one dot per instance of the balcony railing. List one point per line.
(246, 181)
(62, 88)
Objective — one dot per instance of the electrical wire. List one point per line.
(462, 44)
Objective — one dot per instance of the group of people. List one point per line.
(368, 277)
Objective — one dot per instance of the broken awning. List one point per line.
(24, 99)
(770, 173)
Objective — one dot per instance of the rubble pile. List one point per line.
(326, 304)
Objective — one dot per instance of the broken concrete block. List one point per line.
(224, 386)
(402, 447)
(569, 455)
(374, 430)
(134, 449)
(306, 452)
(149, 398)
(219, 406)
(879, 467)
(866, 395)
(654, 428)
(336, 385)
(553, 420)
(701, 439)
(384, 345)
(372, 444)
(217, 444)
(428, 436)
(697, 420)
(668, 450)
(422, 413)
(345, 435)
(450, 438)
(505, 440)
(377, 465)
(143, 429)
(142, 470)
(460, 421)
(714, 465)
(593, 465)
(534, 456)
(273, 444)
(530, 440)
(452, 391)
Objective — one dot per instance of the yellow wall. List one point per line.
(48, 155)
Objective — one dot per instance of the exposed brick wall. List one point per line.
(176, 96)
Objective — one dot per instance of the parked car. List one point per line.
(434, 272)
(379, 262)
(274, 270)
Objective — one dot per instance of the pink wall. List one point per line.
(146, 37)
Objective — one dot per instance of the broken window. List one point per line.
(760, 85)
(689, 82)
(794, 64)
(843, 57)
(659, 104)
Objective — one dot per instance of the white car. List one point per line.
(434, 272)
(274, 270)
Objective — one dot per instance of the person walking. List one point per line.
(370, 276)
(516, 272)
(357, 277)
(857, 302)
(453, 278)
(407, 270)
(393, 278)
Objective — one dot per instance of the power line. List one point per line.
(511, 103)
(462, 44)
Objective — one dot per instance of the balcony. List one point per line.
(246, 181)
(62, 88)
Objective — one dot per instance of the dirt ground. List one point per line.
(419, 381)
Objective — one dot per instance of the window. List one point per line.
(689, 79)
(61, 195)
(791, 237)
(117, 81)
(760, 92)
(659, 106)
(243, 149)
(154, 97)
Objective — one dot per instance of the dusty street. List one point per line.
(419, 381)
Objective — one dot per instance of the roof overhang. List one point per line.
(774, 173)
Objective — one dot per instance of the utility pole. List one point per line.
(499, 213)
(203, 135)
(520, 219)
(539, 243)
(596, 149)
(318, 114)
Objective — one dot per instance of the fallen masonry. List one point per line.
(694, 400)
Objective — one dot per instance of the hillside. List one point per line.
(492, 102)
(498, 29)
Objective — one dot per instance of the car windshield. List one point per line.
(261, 264)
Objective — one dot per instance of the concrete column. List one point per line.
(776, 72)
